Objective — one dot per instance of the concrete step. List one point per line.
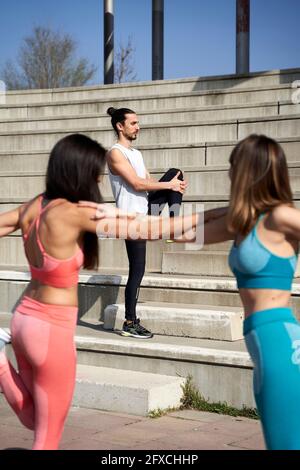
(112, 253)
(155, 103)
(125, 391)
(220, 200)
(98, 289)
(155, 156)
(211, 183)
(275, 128)
(210, 131)
(142, 89)
(196, 263)
(158, 87)
(218, 154)
(4, 207)
(186, 208)
(221, 323)
(105, 287)
(188, 132)
(204, 263)
(92, 120)
(202, 182)
(160, 255)
(221, 370)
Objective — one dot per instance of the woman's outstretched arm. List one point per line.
(212, 214)
(286, 219)
(97, 218)
(111, 222)
(213, 231)
(9, 222)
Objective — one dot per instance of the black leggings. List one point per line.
(158, 199)
(136, 249)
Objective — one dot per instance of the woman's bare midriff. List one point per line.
(255, 300)
(52, 295)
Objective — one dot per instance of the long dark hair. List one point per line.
(74, 166)
(259, 181)
(118, 115)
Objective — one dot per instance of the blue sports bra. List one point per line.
(256, 267)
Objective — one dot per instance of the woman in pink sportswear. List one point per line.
(60, 237)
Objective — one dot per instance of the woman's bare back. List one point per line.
(60, 238)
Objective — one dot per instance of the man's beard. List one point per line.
(131, 137)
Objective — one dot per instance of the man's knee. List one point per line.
(173, 172)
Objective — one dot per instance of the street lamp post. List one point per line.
(157, 39)
(242, 36)
(108, 41)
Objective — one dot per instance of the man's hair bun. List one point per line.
(111, 111)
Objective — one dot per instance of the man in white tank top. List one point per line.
(135, 191)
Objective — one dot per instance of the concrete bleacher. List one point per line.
(188, 297)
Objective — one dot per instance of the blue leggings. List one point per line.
(273, 341)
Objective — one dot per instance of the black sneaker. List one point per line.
(135, 330)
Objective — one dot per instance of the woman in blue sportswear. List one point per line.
(265, 226)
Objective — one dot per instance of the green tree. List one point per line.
(47, 59)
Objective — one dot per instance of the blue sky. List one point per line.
(199, 34)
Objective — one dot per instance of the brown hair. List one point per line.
(75, 163)
(118, 115)
(259, 181)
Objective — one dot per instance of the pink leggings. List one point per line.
(41, 391)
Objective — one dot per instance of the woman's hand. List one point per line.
(105, 211)
(102, 210)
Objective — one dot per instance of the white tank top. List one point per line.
(125, 196)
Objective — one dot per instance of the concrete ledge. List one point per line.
(157, 172)
(220, 323)
(159, 280)
(173, 351)
(222, 371)
(202, 263)
(91, 120)
(163, 155)
(127, 391)
(184, 124)
(220, 97)
(220, 374)
(264, 78)
(208, 131)
(204, 183)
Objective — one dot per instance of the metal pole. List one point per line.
(242, 36)
(108, 41)
(157, 39)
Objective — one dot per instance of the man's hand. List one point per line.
(178, 185)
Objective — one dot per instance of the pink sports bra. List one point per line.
(54, 272)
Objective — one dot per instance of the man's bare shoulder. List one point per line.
(115, 155)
